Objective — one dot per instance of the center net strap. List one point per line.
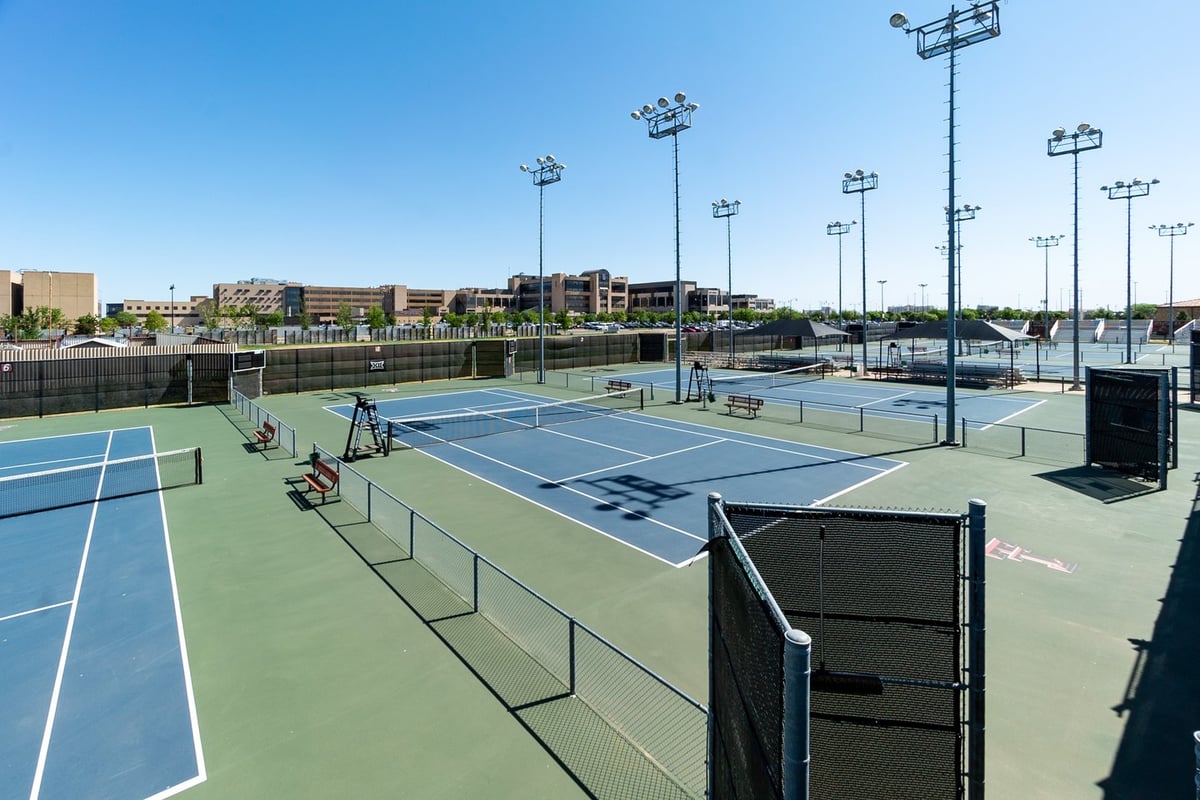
(431, 430)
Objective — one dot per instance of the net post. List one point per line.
(199, 467)
(976, 629)
(797, 672)
(412, 533)
(935, 429)
(1022, 441)
(860, 419)
(716, 529)
(571, 625)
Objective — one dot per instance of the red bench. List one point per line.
(322, 479)
(266, 436)
(749, 404)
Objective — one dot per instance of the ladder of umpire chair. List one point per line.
(698, 380)
(366, 416)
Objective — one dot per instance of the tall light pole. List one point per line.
(1178, 229)
(861, 182)
(662, 120)
(725, 209)
(946, 36)
(1046, 242)
(839, 229)
(882, 313)
(172, 308)
(1060, 143)
(961, 215)
(1127, 191)
(547, 171)
(922, 285)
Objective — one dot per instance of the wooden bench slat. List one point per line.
(323, 479)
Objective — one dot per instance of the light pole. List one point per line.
(839, 229)
(861, 182)
(1083, 139)
(1178, 229)
(882, 313)
(1046, 242)
(172, 308)
(961, 215)
(922, 285)
(1127, 191)
(725, 209)
(946, 36)
(546, 172)
(663, 120)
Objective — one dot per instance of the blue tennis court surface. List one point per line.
(640, 479)
(95, 695)
(979, 408)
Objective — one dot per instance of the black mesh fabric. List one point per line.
(747, 681)
(1195, 366)
(880, 594)
(1125, 423)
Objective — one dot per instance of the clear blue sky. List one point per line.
(366, 143)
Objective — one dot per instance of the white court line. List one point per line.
(554, 429)
(202, 774)
(40, 772)
(899, 465)
(1016, 413)
(35, 610)
(642, 460)
(887, 399)
(570, 489)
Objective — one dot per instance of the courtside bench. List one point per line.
(265, 436)
(749, 404)
(615, 385)
(323, 479)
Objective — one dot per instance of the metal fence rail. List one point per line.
(285, 434)
(628, 732)
(1042, 444)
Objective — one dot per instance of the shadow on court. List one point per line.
(1162, 697)
(1107, 486)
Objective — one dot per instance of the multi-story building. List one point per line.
(473, 300)
(267, 295)
(658, 296)
(594, 291)
(76, 294)
(179, 312)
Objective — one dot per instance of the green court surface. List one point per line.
(312, 679)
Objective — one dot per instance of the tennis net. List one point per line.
(768, 380)
(426, 431)
(105, 480)
(924, 355)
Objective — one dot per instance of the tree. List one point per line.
(155, 322)
(108, 325)
(345, 319)
(563, 319)
(29, 326)
(9, 323)
(376, 319)
(426, 317)
(274, 319)
(125, 319)
(453, 320)
(305, 317)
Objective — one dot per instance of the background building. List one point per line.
(594, 291)
(76, 294)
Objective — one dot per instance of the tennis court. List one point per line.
(638, 479)
(97, 698)
(796, 387)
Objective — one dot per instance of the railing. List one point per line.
(1041, 444)
(285, 434)
(557, 675)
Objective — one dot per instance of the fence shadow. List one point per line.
(1155, 757)
(1107, 486)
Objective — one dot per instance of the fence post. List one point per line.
(1022, 441)
(860, 419)
(976, 629)
(571, 652)
(475, 582)
(412, 533)
(797, 672)
(963, 437)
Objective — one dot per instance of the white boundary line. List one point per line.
(36, 789)
(35, 610)
(202, 772)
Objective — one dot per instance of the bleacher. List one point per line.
(968, 374)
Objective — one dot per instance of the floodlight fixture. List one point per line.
(1178, 229)
(661, 122)
(723, 209)
(840, 229)
(1120, 190)
(548, 171)
(946, 36)
(1084, 138)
